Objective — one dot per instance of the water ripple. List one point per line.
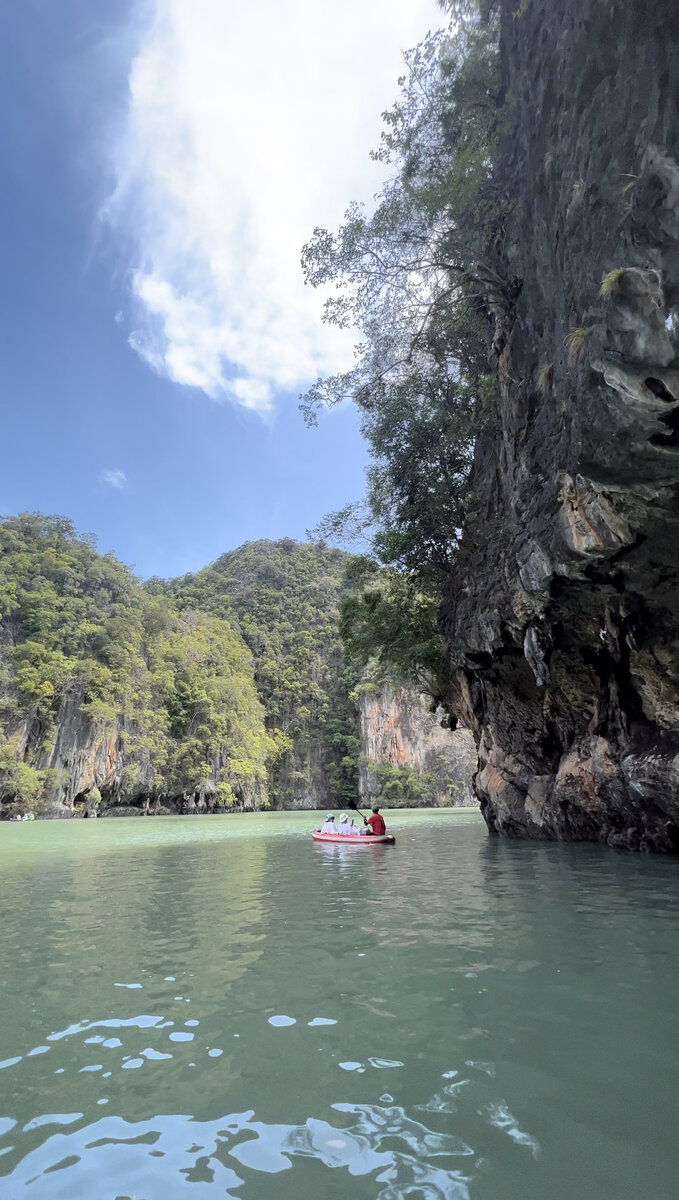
(541, 957)
(195, 1151)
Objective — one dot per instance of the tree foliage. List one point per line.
(388, 627)
(412, 277)
(286, 596)
(403, 787)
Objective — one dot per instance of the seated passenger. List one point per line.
(353, 828)
(344, 826)
(329, 826)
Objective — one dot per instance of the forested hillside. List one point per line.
(227, 689)
(108, 692)
(286, 597)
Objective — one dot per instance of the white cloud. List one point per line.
(114, 477)
(248, 125)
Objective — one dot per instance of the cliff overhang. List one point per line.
(562, 626)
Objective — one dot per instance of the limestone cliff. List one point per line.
(105, 772)
(564, 626)
(84, 757)
(403, 744)
(109, 694)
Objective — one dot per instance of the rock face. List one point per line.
(83, 756)
(564, 629)
(90, 766)
(398, 730)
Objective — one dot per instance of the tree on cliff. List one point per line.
(408, 277)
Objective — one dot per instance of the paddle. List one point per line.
(353, 805)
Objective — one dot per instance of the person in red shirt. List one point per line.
(376, 822)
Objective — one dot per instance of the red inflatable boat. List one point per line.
(351, 839)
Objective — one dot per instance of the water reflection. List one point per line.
(228, 1015)
(378, 1141)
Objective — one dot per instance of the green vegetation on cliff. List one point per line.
(228, 687)
(285, 596)
(423, 279)
(90, 661)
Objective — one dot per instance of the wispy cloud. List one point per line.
(114, 477)
(248, 125)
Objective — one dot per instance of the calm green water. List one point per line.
(218, 1007)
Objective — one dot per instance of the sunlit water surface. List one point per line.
(218, 1007)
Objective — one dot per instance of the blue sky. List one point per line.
(159, 180)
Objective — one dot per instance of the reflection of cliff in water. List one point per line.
(600, 900)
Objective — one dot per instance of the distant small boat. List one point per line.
(351, 839)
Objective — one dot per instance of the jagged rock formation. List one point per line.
(399, 732)
(565, 627)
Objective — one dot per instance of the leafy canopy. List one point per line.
(286, 598)
(411, 277)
